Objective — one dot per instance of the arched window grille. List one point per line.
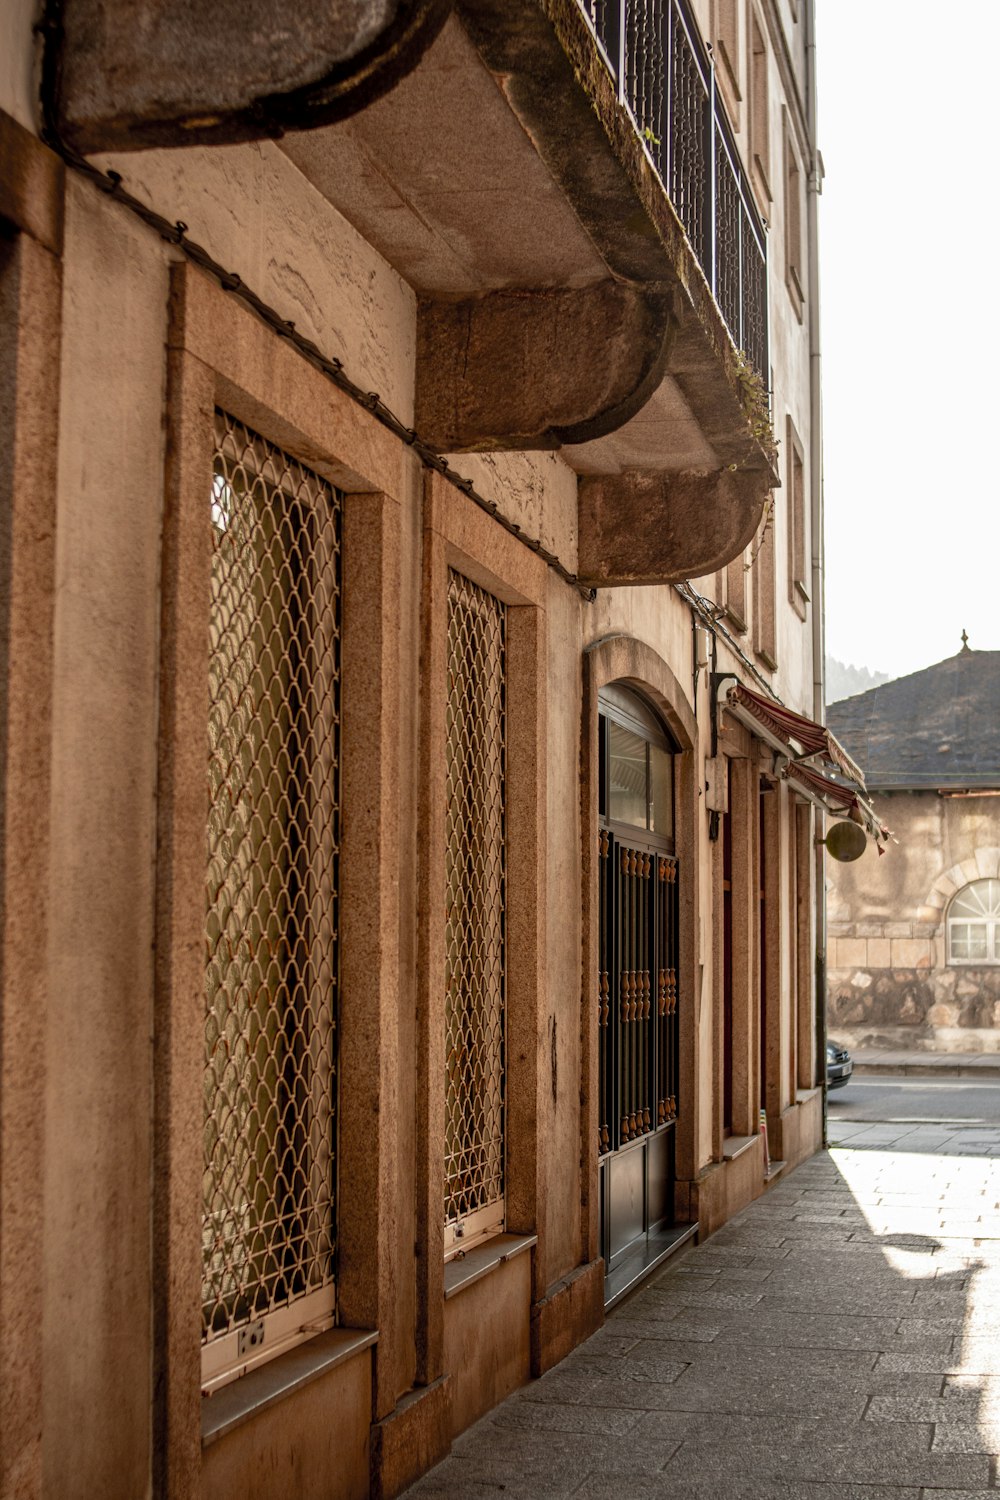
(974, 924)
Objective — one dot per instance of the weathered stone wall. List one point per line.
(889, 981)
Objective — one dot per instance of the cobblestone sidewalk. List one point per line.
(839, 1340)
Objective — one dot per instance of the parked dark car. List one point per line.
(839, 1066)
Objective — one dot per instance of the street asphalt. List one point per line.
(889, 1099)
(839, 1340)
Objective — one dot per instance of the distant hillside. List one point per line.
(844, 681)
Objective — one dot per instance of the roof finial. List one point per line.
(965, 642)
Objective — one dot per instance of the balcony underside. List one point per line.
(229, 70)
(560, 304)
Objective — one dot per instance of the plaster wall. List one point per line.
(788, 324)
(537, 491)
(255, 213)
(889, 982)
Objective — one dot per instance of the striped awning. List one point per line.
(812, 759)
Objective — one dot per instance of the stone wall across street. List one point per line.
(889, 981)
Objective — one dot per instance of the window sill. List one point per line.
(261, 1388)
(795, 294)
(735, 1145)
(759, 179)
(460, 1273)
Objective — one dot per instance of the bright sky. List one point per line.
(910, 299)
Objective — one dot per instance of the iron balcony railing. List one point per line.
(666, 80)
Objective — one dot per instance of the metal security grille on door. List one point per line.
(271, 907)
(637, 992)
(475, 923)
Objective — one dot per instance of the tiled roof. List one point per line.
(935, 728)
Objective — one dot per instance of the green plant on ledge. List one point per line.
(756, 407)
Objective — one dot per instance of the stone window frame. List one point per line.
(795, 490)
(476, 1091)
(32, 205)
(991, 921)
(762, 581)
(795, 272)
(218, 354)
(459, 536)
(802, 867)
(726, 49)
(731, 592)
(759, 108)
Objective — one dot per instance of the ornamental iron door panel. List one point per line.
(637, 992)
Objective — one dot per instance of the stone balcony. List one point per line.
(492, 158)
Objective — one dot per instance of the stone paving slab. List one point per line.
(608, 1487)
(837, 1340)
(944, 1142)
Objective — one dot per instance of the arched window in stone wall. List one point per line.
(974, 924)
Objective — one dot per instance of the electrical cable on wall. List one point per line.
(111, 183)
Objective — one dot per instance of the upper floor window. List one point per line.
(765, 634)
(760, 110)
(735, 592)
(271, 917)
(637, 765)
(794, 267)
(974, 924)
(795, 499)
(726, 38)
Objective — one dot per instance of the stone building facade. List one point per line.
(409, 898)
(913, 961)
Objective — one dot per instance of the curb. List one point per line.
(933, 1070)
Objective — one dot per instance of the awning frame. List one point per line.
(809, 756)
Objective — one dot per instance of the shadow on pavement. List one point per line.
(839, 1339)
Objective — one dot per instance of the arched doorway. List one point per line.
(637, 983)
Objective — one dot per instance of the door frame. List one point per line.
(634, 664)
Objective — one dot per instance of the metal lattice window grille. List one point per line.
(271, 905)
(475, 999)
